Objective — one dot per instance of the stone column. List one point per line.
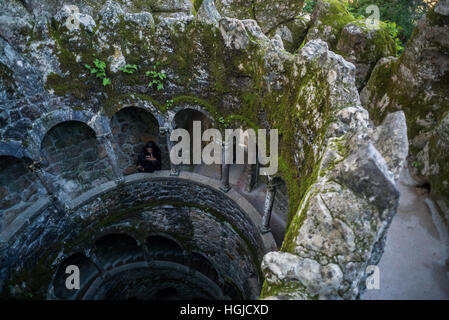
(174, 170)
(269, 200)
(106, 141)
(225, 187)
(251, 172)
(52, 191)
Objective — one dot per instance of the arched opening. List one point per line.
(114, 250)
(243, 175)
(132, 128)
(184, 119)
(19, 188)
(75, 159)
(87, 272)
(279, 214)
(162, 248)
(203, 265)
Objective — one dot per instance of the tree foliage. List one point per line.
(404, 13)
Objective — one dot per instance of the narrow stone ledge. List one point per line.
(23, 219)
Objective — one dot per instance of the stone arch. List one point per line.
(87, 269)
(132, 127)
(74, 159)
(114, 249)
(19, 188)
(183, 119)
(173, 112)
(12, 148)
(99, 124)
(164, 248)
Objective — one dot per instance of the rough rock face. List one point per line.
(225, 68)
(329, 17)
(364, 47)
(341, 224)
(293, 33)
(350, 37)
(268, 14)
(417, 83)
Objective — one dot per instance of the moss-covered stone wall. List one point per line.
(418, 82)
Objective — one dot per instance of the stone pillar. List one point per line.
(52, 191)
(174, 170)
(269, 200)
(251, 172)
(225, 187)
(106, 141)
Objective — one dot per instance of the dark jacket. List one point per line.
(147, 165)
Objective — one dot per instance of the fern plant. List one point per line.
(129, 68)
(99, 70)
(156, 78)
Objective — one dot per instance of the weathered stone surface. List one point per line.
(366, 172)
(351, 37)
(392, 142)
(343, 218)
(76, 21)
(417, 83)
(442, 7)
(318, 280)
(238, 9)
(234, 33)
(208, 13)
(364, 47)
(234, 74)
(329, 17)
(171, 5)
(268, 14)
(187, 222)
(341, 225)
(19, 188)
(293, 33)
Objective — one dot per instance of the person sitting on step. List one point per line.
(149, 158)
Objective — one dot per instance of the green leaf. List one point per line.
(106, 81)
